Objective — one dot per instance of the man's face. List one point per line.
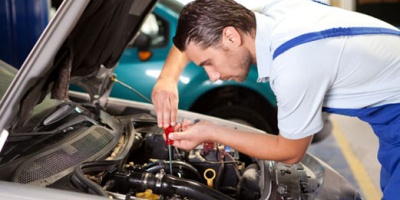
(221, 63)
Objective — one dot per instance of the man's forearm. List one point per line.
(174, 64)
(262, 146)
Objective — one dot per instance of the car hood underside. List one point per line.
(84, 53)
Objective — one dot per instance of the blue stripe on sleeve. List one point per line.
(334, 32)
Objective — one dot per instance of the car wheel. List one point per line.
(242, 115)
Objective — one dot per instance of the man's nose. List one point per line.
(213, 75)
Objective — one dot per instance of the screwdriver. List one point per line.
(169, 143)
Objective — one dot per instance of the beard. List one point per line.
(241, 62)
(243, 65)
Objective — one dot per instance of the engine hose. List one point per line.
(169, 185)
(221, 158)
(155, 167)
(79, 179)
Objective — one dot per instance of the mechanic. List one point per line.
(316, 58)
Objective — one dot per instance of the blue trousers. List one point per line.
(385, 122)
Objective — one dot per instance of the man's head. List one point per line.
(218, 35)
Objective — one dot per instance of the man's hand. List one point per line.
(191, 135)
(165, 100)
(165, 91)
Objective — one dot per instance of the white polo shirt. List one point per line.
(349, 72)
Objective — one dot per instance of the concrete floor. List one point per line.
(351, 150)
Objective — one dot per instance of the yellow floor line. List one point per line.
(360, 174)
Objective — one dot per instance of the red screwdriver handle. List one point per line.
(167, 131)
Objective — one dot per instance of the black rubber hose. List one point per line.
(80, 181)
(170, 185)
(155, 167)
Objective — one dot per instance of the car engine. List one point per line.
(122, 154)
(211, 171)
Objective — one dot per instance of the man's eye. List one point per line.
(207, 65)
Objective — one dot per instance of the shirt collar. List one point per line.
(263, 50)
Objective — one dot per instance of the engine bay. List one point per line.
(120, 153)
(211, 171)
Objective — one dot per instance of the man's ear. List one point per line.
(231, 36)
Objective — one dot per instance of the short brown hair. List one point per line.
(202, 22)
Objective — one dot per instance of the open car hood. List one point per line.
(81, 45)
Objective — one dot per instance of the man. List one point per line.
(316, 57)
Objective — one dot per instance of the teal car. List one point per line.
(249, 102)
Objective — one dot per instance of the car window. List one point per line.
(156, 29)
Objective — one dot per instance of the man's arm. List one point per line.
(258, 145)
(264, 146)
(165, 92)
